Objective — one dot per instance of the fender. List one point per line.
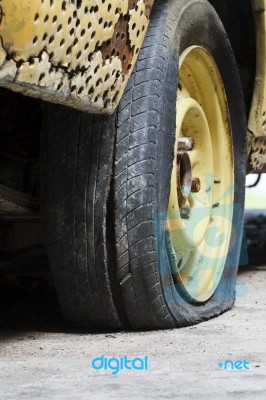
(79, 53)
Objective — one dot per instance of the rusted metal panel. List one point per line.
(257, 117)
(257, 153)
(78, 53)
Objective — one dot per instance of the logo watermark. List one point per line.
(117, 365)
(237, 365)
(196, 250)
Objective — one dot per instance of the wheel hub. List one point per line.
(185, 183)
(201, 196)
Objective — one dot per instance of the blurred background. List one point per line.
(256, 195)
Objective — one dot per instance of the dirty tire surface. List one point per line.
(77, 152)
(143, 160)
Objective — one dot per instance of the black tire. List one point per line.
(86, 210)
(77, 158)
(143, 162)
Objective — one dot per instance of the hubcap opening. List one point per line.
(184, 176)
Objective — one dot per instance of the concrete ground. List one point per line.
(41, 359)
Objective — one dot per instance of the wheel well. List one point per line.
(238, 20)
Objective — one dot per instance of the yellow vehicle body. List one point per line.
(257, 121)
(81, 54)
(77, 53)
(257, 118)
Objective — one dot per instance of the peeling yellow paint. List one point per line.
(17, 26)
(137, 25)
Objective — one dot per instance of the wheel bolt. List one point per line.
(195, 185)
(185, 143)
(185, 212)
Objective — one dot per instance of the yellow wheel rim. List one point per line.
(200, 211)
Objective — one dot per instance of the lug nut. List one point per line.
(185, 143)
(195, 185)
(185, 212)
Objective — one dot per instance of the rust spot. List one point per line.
(119, 45)
(148, 7)
(132, 4)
